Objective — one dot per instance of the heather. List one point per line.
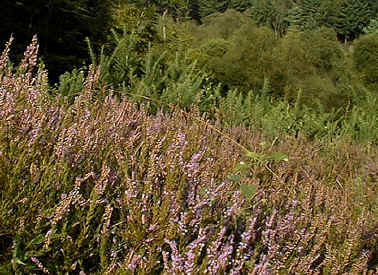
(103, 183)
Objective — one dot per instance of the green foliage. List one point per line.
(129, 16)
(308, 15)
(313, 62)
(372, 27)
(279, 67)
(272, 13)
(194, 10)
(172, 36)
(252, 50)
(177, 83)
(223, 25)
(123, 63)
(351, 18)
(216, 48)
(153, 74)
(365, 59)
(226, 48)
(239, 5)
(238, 54)
(208, 7)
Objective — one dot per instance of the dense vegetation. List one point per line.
(189, 137)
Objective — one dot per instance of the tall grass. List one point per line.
(100, 186)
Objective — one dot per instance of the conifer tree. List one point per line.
(373, 6)
(208, 7)
(239, 5)
(308, 15)
(194, 11)
(352, 17)
(272, 13)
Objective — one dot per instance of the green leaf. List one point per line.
(279, 157)
(18, 261)
(255, 156)
(38, 240)
(248, 190)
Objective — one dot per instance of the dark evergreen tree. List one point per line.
(308, 15)
(351, 18)
(272, 13)
(373, 6)
(208, 7)
(239, 5)
(194, 11)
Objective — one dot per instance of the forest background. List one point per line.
(263, 38)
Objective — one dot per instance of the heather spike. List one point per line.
(5, 56)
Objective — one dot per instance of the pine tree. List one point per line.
(272, 13)
(352, 17)
(239, 5)
(194, 11)
(208, 7)
(308, 15)
(373, 6)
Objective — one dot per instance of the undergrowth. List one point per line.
(158, 79)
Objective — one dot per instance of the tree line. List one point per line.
(63, 25)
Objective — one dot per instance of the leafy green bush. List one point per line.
(365, 59)
(314, 62)
(222, 25)
(250, 48)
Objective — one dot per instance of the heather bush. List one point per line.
(102, 186)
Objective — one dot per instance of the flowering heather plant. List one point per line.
(100, 186)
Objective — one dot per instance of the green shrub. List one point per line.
(314, 62)
(365, 59)
(217, 47)
(222, 25)
(241, 61)
(251, 56)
